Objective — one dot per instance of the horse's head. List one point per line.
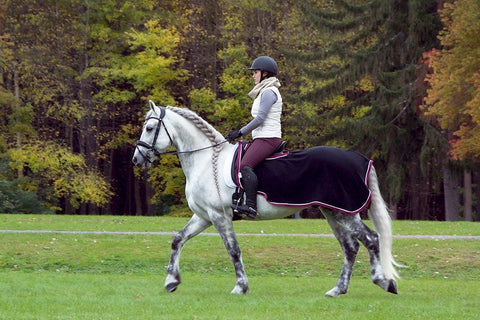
(152, 141)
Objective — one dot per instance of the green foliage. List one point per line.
(78, 73)
(168, 182)
(364, 78)
(53, 172)
(15, 200)
(150, 66)
(230, 108)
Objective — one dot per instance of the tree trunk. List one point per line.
(149, 195)
(393, 211)
(476, 184)
(138, 198)
(451, 192)
(16, 85)
(467, 194)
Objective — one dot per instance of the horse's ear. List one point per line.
(152, 105)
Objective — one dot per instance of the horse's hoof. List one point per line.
(239, 290)
(392, 287)
(335, 292)
(171, 287)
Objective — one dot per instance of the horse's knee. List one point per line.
(177, 241)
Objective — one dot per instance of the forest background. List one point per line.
(397, 80)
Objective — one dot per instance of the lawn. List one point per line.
(103, 276)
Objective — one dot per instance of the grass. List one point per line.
(169, 224)
(101, 296)
(101, 276)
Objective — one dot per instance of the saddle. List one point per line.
(242, 147)
(323, 176)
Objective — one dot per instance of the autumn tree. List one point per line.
(453, 98)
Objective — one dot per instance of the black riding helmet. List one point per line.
(265, 63)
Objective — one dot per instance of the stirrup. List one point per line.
(247, 210)
(237, 199)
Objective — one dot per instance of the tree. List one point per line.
(454, 95)
(54, 172)
(377, 43)
(144, 69)
(453, 100)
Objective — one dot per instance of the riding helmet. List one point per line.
(265, 63)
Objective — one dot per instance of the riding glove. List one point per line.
(232, 135)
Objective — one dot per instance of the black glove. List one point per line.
(232, 135)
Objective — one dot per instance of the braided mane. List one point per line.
(212, 134)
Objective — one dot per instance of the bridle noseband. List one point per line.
(151, 147)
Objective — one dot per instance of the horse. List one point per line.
(204, 155)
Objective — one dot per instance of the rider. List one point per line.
(265, 127)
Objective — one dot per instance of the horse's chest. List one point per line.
(199, 194)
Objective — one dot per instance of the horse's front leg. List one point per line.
(224, 226)
(191, 229)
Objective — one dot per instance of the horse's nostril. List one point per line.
(134, 160)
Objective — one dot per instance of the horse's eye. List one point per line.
(149, 128)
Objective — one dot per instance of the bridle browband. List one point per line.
(151, 147)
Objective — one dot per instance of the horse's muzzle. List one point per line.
(140, 162)
(135, 160)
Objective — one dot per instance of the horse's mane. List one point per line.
(213, 135)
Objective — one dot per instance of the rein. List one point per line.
(151, 147)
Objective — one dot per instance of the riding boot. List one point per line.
(250, 184)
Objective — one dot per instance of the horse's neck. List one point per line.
(190, 138)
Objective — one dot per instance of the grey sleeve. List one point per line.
(267, 100)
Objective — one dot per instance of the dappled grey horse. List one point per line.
(205, 157)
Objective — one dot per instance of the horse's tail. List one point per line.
(378, 213)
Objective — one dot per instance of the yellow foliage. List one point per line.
(57, 167)
(454, 96)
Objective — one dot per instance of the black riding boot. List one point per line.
(250, 184)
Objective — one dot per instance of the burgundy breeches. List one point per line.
(259, 150)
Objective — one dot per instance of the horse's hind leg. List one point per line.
(369, 238)
(350, 248)
(353, 228)
(191, 229)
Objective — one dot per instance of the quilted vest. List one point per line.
(271, 127)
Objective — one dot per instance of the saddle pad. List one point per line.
(325, 176)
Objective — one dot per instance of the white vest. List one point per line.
(271, 127)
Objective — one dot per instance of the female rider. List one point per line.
(265, 127)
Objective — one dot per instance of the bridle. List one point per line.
(151, 147)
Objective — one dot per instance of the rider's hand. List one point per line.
(232, 135)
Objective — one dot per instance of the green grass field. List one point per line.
(103, 276)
